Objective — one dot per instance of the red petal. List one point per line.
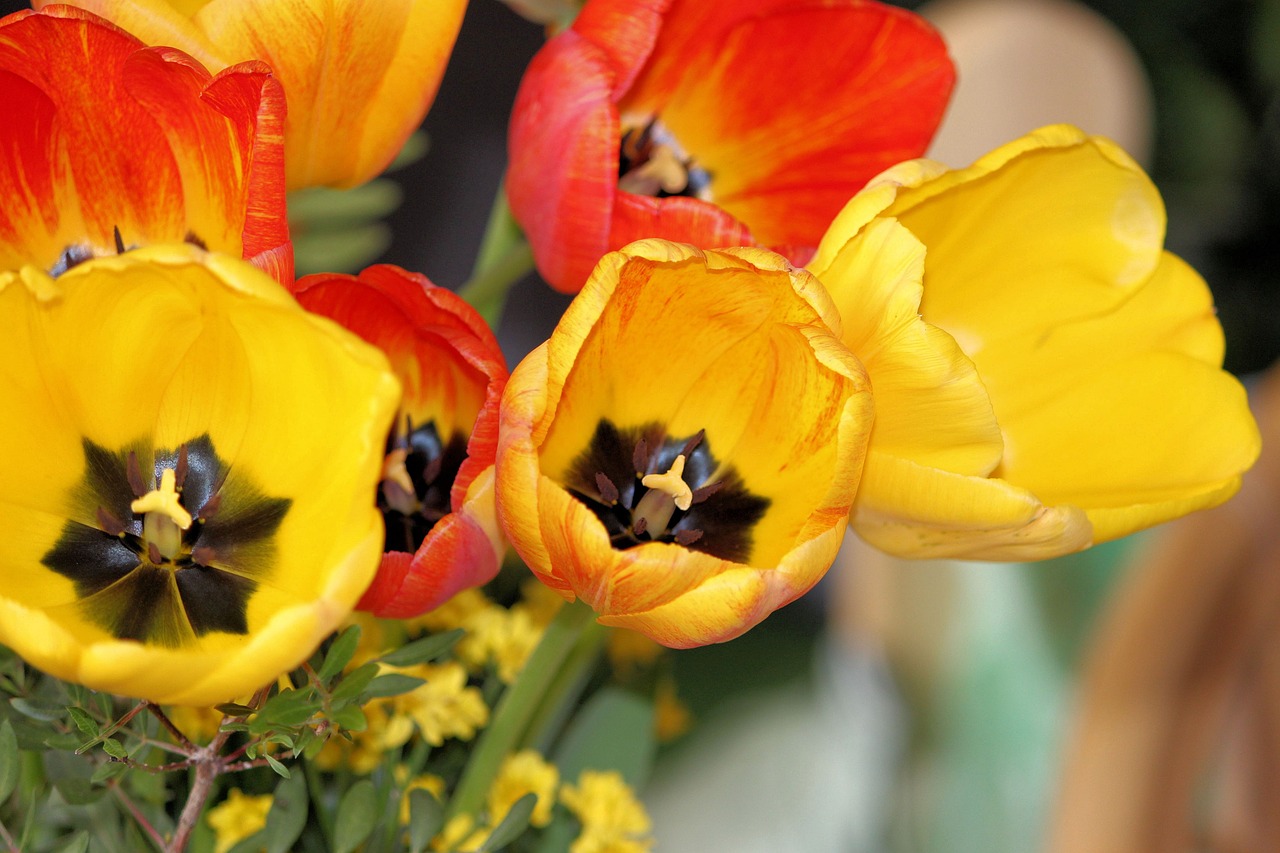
(625, 30)
(563, 170)
(685, 220)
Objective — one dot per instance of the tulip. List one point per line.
(682, 453)
(1046, 376)
(110, 145)
(359, 74)
(185, 512)
(436, 493)
(729, 123)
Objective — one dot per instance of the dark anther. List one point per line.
(608, 491)
(133, 471)
(692, 443)
(700, 495)
(640, 525)
(180, 469)
(120, 249)
(687, 537)
(432, 469)
(195, 241)
(204, 555)
(640, 458)
(154, 555)
(210, 508)
(108, 522)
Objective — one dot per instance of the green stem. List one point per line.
(519, 706)
(563, 692)
(504, 259)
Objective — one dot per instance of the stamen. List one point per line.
(164, 501)
(180, 470)
(204, 555)
(701, 494)
(608, 491)
(640, 457)
(210, 508)
(672, 483)
(393, 470)
(120, 249)
(133, 473)
(108, 522)
(692, 443)
(688, 537)
(640, 525)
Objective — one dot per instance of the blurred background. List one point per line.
(1121, 699)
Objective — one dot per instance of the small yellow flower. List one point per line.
(198, 724)
(237, 817)
(454, 613)
(442, 708)
(672, 717)
(499, 636)
(630, 651)
(429, 782)
(540, 601)
(613, 820)
(460, 835)
(524, 772)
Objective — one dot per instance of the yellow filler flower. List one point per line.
(1046, 376)
(190, 463)
(361, 72)
(682, 453)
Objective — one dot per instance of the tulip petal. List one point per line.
(862, 107)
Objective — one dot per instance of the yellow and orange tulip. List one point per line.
(112, 145)
(682, 453)
(184, 513)
(436, 493)
(716, 123)
(1046, 376)
(360, 71)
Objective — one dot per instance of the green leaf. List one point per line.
(233, 709)
(357, 813)
(614, 731)
(345, 250)
(287, 708)
(340, 653)
(276, 766)
(325, 209)
(354, 683)
(70, 774)
(512, 826)
(426, 817)
(84, 722)
(107, 770)
(350, 718)
(424, 650)
(9, 760)
(46, 712)
(114, 748)
(288, 815)
(78, 843)
(392, 684)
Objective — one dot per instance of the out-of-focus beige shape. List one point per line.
(1176, 741)
(1023, 64)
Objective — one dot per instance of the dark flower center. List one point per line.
(417, 478)
(651, 162)
(645, 486)
(176, 553)
(77, 253)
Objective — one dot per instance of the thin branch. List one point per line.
(8, 840)
(156, 838)
(170, 727)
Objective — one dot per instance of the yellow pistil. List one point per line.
(403, 497)
(672, 483)
(164, 516)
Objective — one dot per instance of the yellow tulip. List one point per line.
(1046, 376)
(185, 512)
(682, 453)
(358, 75)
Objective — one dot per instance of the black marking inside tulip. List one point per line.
(77, 253)
(608, 475)
(127, 586)
(651, 162)
(430, 465)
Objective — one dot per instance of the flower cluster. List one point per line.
(784, 325)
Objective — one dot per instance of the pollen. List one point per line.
(164, 501)
(672, 483)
